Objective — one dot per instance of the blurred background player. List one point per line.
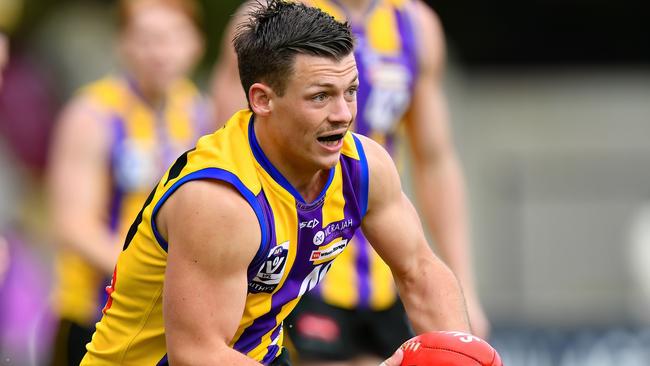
(4, 53)
(4, 247)
(113, 142)
(354, 317)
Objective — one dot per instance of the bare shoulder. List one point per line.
(81, 133)
(430, 34)
(208, 213)
(427, 17)
(82, 117)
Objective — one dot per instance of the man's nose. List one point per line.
(340, 111)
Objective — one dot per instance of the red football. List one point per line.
(449, 349)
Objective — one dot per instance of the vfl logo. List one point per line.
(309, 224)
(270, 273)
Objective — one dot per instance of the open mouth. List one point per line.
(331, 140)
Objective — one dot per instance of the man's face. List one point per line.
(316, 110)
(4, 54)
(159, 44)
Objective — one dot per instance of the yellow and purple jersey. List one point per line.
(144, 142)
(299, 241)
(386, 56)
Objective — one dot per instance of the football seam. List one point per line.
(454, 351)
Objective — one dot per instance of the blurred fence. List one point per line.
(578, 347)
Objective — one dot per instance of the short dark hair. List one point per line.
(267, 43)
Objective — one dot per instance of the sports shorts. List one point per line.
(321, 332)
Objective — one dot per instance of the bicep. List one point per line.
(208, 255)
(396, 234)
(391, 224)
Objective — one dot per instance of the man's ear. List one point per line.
(260, 96)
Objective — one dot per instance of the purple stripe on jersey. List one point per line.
(351, 185)
(269, 238)
(290, 290)
(272, 350)
(163, 361)
(408, 36)
(312, 246)
(270, 356)
(117, 194)
(116, 201)
(361, 177)
(363, 270)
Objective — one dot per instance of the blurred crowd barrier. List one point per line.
(576, 347)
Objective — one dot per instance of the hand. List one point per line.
(395, 359)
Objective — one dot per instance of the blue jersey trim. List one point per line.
(363, 163)
(275, 173)
(226, 176)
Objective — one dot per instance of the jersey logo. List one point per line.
(272, 270)
(135, 167)
(319, 237)
(314, 278)
(329, 252)
(309, 224)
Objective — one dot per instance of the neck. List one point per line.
(308, 182)
(356, 8)
(151, 95)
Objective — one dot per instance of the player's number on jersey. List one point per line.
(385, 108)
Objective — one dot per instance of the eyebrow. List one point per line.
(330, 85)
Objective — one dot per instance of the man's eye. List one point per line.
(319, 97)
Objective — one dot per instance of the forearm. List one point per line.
(432, 296)
(440, 189)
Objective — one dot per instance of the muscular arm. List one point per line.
(429, 290)
(212, 237)
(79, 185)
(437, 175)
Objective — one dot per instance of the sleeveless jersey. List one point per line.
(144, 143)
(299, 242)
(386, 57)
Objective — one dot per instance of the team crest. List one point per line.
(270, 273)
